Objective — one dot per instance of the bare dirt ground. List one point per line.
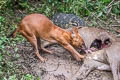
(59, 66)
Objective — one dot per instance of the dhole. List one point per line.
(37, 26)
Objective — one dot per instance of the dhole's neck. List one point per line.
(59, 32)
(62, 30)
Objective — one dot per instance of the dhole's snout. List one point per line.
(83, 47)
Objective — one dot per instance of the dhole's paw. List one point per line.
(80, 58)
(48, 51)
(43, 60)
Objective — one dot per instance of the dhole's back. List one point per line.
(37, 24)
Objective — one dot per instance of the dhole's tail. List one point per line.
(13, 34)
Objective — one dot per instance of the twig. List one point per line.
(110, 4)
(113, 4)
(115, 25)
(110, 7)
(109, 10)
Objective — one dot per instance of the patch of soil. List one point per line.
(59, 66)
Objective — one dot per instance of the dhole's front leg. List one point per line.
(75, 54)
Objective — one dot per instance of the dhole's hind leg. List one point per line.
(41, 47)
(32, 39)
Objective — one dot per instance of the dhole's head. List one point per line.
(77, 41)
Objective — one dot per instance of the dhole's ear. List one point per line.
(75, 30)
(79, 27)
